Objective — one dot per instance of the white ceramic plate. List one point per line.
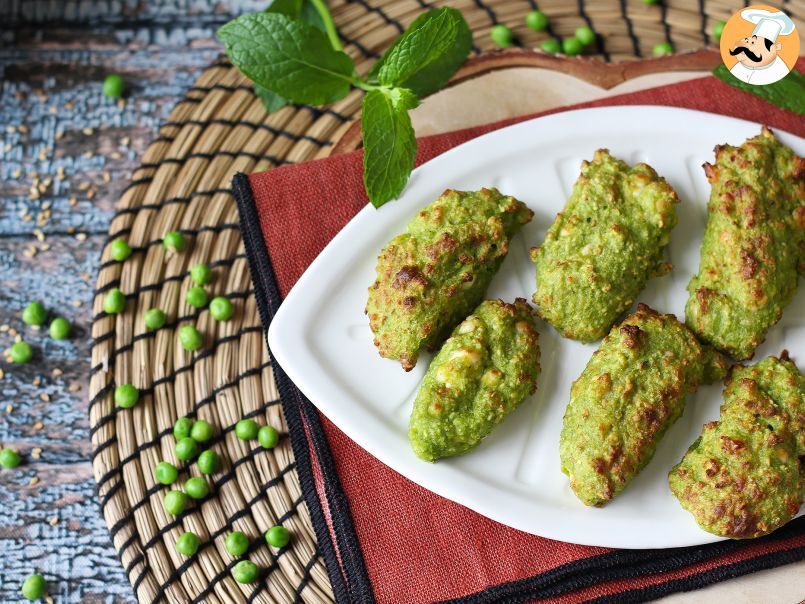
(321, 337)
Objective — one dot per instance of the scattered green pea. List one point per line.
(120, 250)
(197, 487)
(201, 274)
(197, 297)
(208, 462)
(572, 46)
(237, 543)
(585, 35)
(536, 20)
(126, 396)
(718, 29)
(278, 536)
(221, 308)
(662, 49)
(186, 449)
(21, 352)
(166, 473)
(190, 338)
(551, 46)
(182, 427)
(245, 571)
(175, 502)
(187, 544)
(201, 431)
(60, 328)
(34, 587)
(174, 241)
(114, 302)
(9, 458)
(113, 85)
(268, 437)
(155, 318)
(246, 429)
(35, 314)
(501, 35)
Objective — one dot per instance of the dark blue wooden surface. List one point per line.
(53, 58)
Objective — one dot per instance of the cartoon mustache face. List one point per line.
(750, 55)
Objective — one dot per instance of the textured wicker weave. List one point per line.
(183, 184)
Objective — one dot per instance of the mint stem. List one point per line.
(329, 24)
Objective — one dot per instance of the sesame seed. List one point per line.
(125, 141)
(16, 173)
(87, 131)
(38, 426)
(36, 381)
(23, 128)
(34, 481)
(77, 303)
(57, 372)
(73, 201)
(74, 387)
(9, 408)
(69, 105)
(81, 236)
(44, 397)
(36, 452)
(53, 521)
(107, 177)
(59, 135)
(84, 186)
(90, 194)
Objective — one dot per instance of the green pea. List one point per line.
(536, 20)
(182, 427)
(237, 543)
(278, 536)
(718, 29)
(501, 35)
(197, 297)
(651, 1)
(662, 49)
(551, 46)
(34, 314)
(166, 473)
(190, 338)
(585, 35)
(21, 352)
(197, 487)
(221, 308)
(245, 571)
(114, 302)
(113, 85)
(571, 46)
(60, 328)
(208, 462)
(34, 587)
(126, 396)
(187, 544)
(120, 250)
(201, 431)
(155, 318)
(246, 429)
(175, 502)
(186, 449)
(174, 241)
(201, 274)
(268, 437)
(9, 458)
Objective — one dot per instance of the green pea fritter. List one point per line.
(631, 391)
(484, 371)
(433, 275)
(603, 247)
(743, 477)
(753, 246)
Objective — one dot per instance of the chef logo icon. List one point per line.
(760, 45)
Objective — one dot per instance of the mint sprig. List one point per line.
(293, 54)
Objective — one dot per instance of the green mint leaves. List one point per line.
(788, 93)
(293, 54)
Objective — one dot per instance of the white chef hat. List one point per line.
(769, 25)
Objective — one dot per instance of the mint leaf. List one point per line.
(429, 52)
(288, 57)
(389, 144)
(298, 9)
(788, 93)
(271, 100)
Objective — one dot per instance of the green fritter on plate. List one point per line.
(483, 372)
(631, 391)
(603, 247)
(753, 247)
(433, 275)
(743, 477)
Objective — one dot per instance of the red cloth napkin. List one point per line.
(384, 536)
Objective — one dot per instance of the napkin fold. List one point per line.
(387, 539)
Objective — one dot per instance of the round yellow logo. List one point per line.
(760, 45)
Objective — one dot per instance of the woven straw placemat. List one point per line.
(183, 182)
